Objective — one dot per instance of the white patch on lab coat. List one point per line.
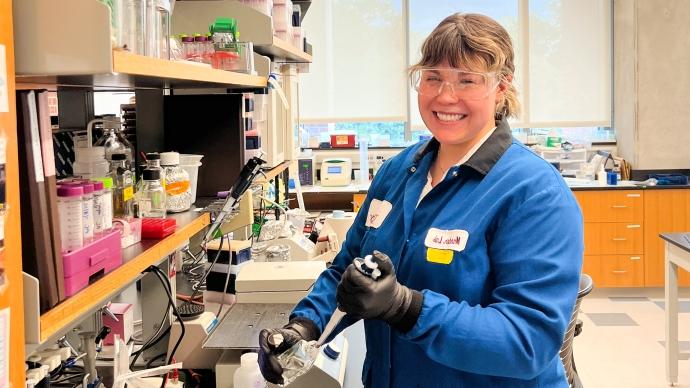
(455, 239)
(378, 211)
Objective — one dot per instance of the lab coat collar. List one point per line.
(486, 156)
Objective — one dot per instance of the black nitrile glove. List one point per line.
(273, 342)
(384, 298)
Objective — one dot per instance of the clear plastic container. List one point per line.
(158, 28)
(123, 187)
(177, 186)
(107, 209)
(98, 208)
(87, 211)
(188, 47)
(152, 196)
(90, 162)
(278, 253)
(131, 20)
(70, 217)
(248, 374)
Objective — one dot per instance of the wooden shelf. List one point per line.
(137, 71)
(274, 172)
(135, 259)
(281, 49)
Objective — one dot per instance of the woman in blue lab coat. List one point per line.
(479, 240)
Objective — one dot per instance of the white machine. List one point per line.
(277, 282)
(336, 172)
(190, 353)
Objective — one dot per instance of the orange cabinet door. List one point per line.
(611, 205)
(613, 238)
(666, 211)
(615, 270)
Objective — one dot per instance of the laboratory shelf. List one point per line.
(130, 71)
(254, 26)
(62, 54)
(136, 258)
(272, 173)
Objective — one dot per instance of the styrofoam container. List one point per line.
(193, 171)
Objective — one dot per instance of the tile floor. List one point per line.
(622, 340)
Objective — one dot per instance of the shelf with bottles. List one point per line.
(78, 52)
(54, 322)
(253, 25)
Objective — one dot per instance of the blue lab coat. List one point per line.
(494, 313)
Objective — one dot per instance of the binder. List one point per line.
(37, 252)
(46, 135)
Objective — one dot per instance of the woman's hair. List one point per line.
(474, 41)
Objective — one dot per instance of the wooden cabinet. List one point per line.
(11, 292)
(614, 237)
(666, 210)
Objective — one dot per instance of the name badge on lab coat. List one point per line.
(378, 211)
(455, 239)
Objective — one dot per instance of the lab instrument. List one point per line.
(190, 352)
(336, 172)
(277, 282)
(368, 267)
(306, 171)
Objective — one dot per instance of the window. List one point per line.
(358, 81)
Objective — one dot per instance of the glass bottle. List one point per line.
(177, 186)
(152, 196)
(115, 142)
(123, 187)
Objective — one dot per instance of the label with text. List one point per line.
(455, 239)
(378, 211)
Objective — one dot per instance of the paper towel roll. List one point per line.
(339, 226)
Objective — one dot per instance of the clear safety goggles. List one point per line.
(467, 85)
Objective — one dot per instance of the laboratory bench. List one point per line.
(622, 225)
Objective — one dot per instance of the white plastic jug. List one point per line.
(248, 374)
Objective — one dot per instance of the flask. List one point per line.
(152, 196)
(248, 374)
(123, 189)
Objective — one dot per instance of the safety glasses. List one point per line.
(467, 85)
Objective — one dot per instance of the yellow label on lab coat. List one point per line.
(439, 256)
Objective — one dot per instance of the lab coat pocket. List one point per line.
(368, 241)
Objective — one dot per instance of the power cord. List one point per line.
(162, 276)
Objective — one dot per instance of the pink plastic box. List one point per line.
(124, 324)
(90, 262)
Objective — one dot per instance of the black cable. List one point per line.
(148, 364)
(160, 333)
(208, 270)
(164, 279)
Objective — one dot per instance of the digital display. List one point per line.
(335, 169)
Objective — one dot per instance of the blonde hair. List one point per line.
(475, 41)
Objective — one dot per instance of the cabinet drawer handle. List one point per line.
(619, 206)
(619, 272)
(619, 239)
(632, 226)
(633, 195)
(635, 257)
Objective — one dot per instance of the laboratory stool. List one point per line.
(574, 329)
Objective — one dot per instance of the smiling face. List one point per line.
(465, 43)
(453, 118)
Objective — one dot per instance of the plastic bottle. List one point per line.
(107, 209)
(98, 208)
(152, 196)
(123, 187)
(601, 176)
(87, 211)
(70, 216)
(248, 374)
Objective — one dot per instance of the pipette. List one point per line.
(366, 266)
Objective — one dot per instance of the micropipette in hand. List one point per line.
(366, 266)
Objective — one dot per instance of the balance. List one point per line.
(336, 172)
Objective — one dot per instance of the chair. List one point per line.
(574, 329)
